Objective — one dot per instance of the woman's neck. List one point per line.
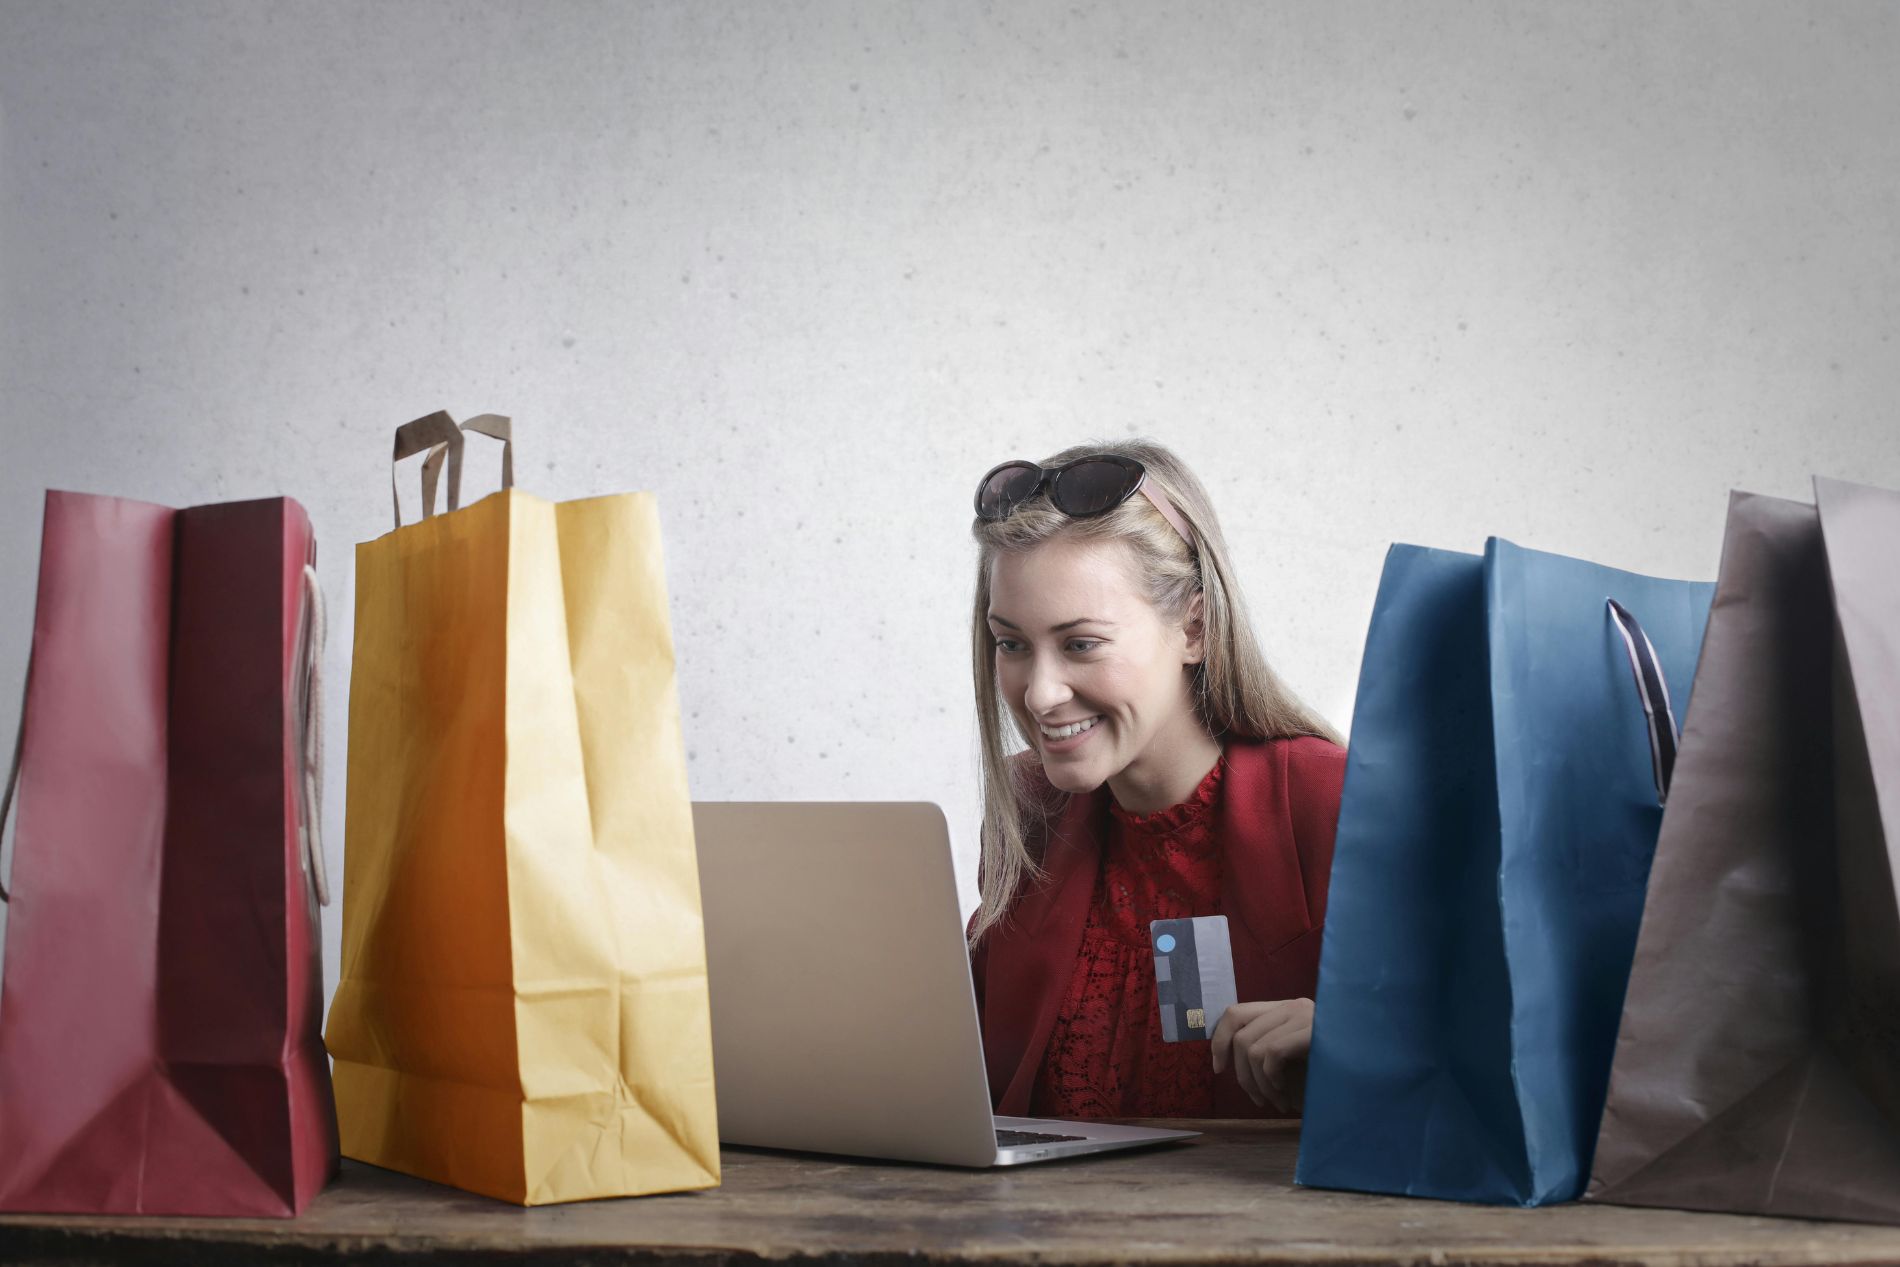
(1167, 773)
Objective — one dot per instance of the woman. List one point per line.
(1168, 774)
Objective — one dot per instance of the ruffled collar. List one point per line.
(1165, 822)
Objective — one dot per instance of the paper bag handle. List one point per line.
(307, 721)
(1653, 691)
(417, 436)
(495, 426)
(13, 773)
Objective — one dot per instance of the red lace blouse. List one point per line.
(1106, 1057)
(1064, 982)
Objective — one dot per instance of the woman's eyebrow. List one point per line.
(1067, 624)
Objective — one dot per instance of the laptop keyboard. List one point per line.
(1013, 1139)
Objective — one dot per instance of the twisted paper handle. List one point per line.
(13, 774)
(1653, 691)
(495, 426)
(309, 724)
(424, 434)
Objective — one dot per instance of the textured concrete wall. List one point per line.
(1423, 272)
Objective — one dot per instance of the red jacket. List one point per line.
(1275, 814)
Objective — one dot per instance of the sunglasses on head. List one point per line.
(1092, 485)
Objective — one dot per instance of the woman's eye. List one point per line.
(1082, 646)
(1007, 647)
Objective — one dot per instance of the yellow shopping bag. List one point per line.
(523, 1009)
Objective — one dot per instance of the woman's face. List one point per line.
(1091, 670)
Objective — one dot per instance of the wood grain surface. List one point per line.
(1227, 1197)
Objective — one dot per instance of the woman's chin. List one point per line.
(1071, 776)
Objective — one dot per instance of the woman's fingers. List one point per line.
(1268, 1056)
(1265, 1042)
(1275, 1050)
(1227, 1027)
(1252, 1020)
(1254, 1047)
(1244, 1074)
(1221, 1039)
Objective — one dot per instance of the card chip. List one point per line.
(1197, 1018)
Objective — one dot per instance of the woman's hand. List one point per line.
(1267, 1043)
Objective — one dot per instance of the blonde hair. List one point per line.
(1236, 693)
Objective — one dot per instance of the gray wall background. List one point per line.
(1420, 272)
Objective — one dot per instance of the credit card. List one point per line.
(1194, 975)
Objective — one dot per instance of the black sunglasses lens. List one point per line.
(1093, 487)
(1004, 490)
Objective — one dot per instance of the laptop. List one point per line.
(843, 1018)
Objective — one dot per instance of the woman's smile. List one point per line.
(1064, 739)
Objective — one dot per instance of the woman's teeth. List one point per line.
(1069, 732)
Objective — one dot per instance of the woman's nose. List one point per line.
(1046, 688)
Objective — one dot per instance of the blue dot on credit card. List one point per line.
(1164, 943)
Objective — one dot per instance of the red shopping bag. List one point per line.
(162, 991)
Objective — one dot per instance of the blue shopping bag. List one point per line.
(1510, 751)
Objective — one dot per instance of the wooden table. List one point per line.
(1227, 1197)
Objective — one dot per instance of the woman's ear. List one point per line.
(1195, 629)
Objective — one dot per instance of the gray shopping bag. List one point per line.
(1757, 1067)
